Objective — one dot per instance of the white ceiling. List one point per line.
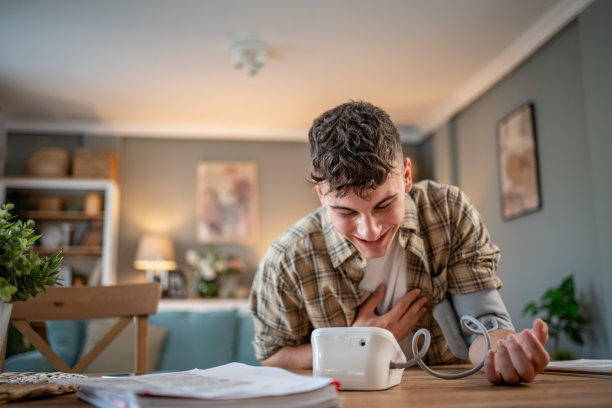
(164, 67)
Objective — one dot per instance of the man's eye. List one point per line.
(347, 214)
(382, 207)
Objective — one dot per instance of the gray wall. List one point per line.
(568, 80)
(158, 179)
(595, 34)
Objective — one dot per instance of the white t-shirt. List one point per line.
(390, 270)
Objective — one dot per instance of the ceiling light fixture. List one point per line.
(250, 54)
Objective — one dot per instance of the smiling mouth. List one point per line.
(374, 243)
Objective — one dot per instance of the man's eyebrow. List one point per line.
(339, 207)
(381, 202)
(391, 197)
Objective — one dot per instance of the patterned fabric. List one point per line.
(309, 277)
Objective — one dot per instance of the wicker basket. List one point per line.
(103, 164)
(49, 162)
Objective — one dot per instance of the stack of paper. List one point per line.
(231, 385)
(598, 368)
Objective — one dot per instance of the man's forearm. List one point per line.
(479, 346)
(291, 357)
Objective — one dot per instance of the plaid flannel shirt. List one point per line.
(310, 276)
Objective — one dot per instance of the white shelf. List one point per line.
(58, 183)
(108, 188)
(201, 304)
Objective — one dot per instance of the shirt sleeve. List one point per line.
(474, 258)
(279, 316)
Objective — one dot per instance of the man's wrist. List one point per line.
(478, 348)
(291, 357)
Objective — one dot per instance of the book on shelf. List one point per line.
(230, 385)
(79, 233)
(93, 234)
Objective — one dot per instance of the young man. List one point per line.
(383, 252)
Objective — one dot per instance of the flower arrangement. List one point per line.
(22, 272)
(209, 264)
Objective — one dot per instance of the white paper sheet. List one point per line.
(582, 366)
(230, 381)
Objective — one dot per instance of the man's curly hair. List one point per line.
(353, 146)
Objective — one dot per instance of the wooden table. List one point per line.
(419, 389)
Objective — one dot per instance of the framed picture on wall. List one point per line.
(518, 163)
(227, 202)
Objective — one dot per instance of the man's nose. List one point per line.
(368, 228)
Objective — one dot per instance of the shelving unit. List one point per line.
(91, 238)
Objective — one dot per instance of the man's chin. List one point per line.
(373, 252)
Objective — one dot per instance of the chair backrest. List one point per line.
(90, 302)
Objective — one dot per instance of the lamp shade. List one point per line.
(155, 252)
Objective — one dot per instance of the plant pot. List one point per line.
(208, 288)
(228, 285)
(5, 317)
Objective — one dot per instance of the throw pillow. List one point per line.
(66, 338)
(119, 356)
(245, 352)
(197, 340)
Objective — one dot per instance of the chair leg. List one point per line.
(142, 344)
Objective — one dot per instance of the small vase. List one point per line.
(5, 317)
(228, 285)
(208, 288)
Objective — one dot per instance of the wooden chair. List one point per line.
(90, 302)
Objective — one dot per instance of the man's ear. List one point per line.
(407, 175)
(320, 194)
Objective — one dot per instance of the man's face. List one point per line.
(371, 223)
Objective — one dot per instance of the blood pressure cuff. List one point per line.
(485, 305)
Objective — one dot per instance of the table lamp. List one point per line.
(155, 254)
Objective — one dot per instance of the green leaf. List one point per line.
(6, 290)
(22, 272)
(559, 308)
(531, 308)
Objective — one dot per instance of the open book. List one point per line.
(230, 385)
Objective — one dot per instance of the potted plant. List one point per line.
(559, 308)
(22, 272)
(209, 265)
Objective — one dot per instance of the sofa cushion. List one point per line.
(119, 355)
(30, 361)
(197, 340)
(66, 338)
(245, 352)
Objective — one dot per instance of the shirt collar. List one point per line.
(410, 223)
(339, 248)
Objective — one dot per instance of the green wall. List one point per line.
(568, 80)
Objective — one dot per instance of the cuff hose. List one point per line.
(419, 354)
